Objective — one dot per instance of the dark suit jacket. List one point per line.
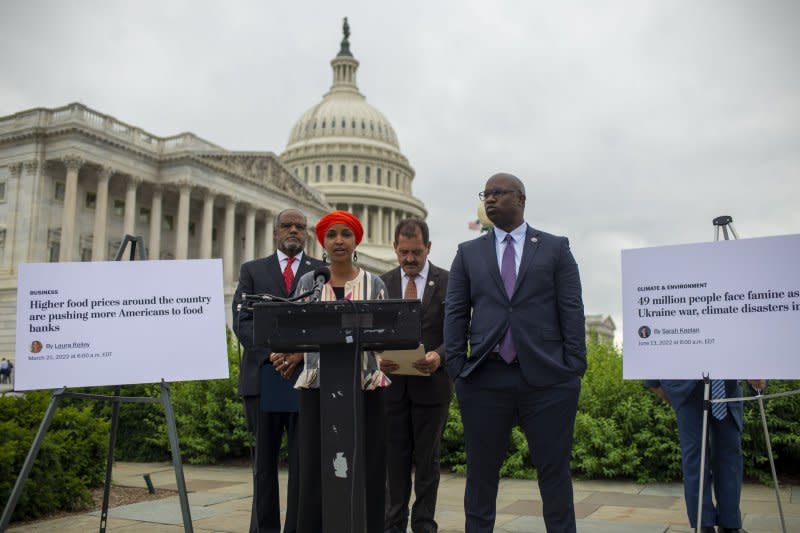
(680, 390)
(436, 388)
(545, 313)
(262, 276)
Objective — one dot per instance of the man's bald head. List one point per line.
(504, 201)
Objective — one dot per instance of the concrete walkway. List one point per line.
(220, 500)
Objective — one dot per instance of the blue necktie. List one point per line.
(508, 273)
(718, 393)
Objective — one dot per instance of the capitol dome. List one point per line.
(348, 150)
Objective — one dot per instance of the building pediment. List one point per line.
(266, 170)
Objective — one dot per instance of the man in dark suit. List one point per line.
(516, 350)
(270, 399)
(416, 406)
(725, 450)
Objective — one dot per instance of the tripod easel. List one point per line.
(116, 399)
(725, 222)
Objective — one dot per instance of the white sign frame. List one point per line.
(745, 295)
(83, 324)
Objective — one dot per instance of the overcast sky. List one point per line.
(631, 123)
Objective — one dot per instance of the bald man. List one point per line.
(514, 299)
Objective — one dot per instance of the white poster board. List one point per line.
(730, 309)
(119, 322)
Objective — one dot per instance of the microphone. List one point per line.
(321, 276)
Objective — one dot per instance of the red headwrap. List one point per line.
(339, 217)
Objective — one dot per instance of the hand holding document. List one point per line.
(402, 361)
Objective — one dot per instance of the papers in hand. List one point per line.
(405, 360)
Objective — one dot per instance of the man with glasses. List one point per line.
(270, 399)
(515, 346)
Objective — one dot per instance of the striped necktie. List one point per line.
(719, 410)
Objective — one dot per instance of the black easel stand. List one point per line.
(116, 399)
(725, 222)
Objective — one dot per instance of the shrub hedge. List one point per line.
(71, 459)
(622, 430)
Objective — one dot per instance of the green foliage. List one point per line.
(622, 430)
(209, 417)
(783, 419)
(71, 458)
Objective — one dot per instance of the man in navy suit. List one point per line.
(516, 349)
(270, 399)
(417, 407)
(725, 450)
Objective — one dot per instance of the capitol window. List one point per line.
(341, 172)
(91, 200)
(2, 191)
(144, 215)
(367, 175)
(355, 172)
(378, 172)
(119, 208)
(59, 191)
(330, 172)
(169, 222)
(317, 169)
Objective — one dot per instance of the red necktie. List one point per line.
(288, 274)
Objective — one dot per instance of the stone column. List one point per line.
(380, 237)
(12, 197)
(269, 233)
(182, 236)
(392, 223)
(250, 234)
(227, 242)
(207, 224)
(73, 164)
(266, 235)
(365, 222)
(129, 219)
(155, 222)
(99, 247)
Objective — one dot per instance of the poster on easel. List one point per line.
(119, 323)
(729, 309)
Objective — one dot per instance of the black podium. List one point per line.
(339, 331)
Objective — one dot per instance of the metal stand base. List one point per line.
(116, 399)
(725, 223)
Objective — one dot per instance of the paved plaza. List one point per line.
(220, 498)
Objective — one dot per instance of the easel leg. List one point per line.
(16, 492)
(703, 447)
(771, 462)
(112, 442)
(172, 432)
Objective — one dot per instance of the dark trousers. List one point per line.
(268, 429)
(311, 519)
(413, 435)
(492, 399)
(723, 466)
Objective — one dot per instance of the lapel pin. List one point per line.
(308, 262)
(534, 239)
(430, 283)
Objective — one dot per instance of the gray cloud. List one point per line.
(632, 124)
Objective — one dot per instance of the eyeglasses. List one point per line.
(484, 195)
(288, 225)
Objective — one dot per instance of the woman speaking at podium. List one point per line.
(340, 232)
